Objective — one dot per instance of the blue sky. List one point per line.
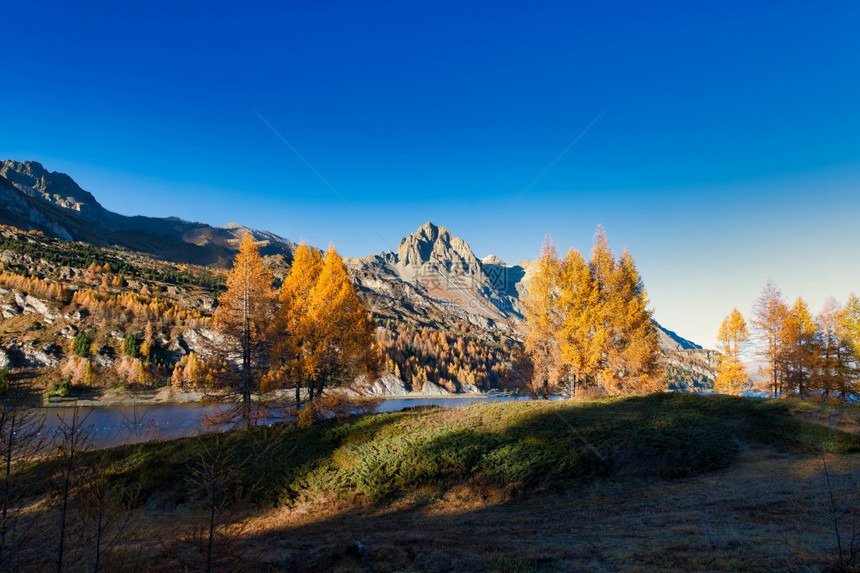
(729, 151)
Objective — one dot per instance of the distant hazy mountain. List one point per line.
(51, 202)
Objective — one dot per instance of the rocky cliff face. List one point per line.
(434, 270)
(54, 188)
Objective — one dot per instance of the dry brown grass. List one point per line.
(763, 508)
(759, 515)
(835, 416)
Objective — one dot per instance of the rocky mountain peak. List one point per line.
(435, 244)
(32, 179)
(493, 260)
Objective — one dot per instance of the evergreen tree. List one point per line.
(81, 344)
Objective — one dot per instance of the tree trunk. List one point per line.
(246, 372)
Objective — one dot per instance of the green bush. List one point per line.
(131, 345)
(60, 390)
(82, 343)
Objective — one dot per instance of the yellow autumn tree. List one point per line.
(850, 322)
(732, 374)
(146, 346)
(799, 352)
(242, 317)
(292, 329)
(631, 343)
(543, 321)
(590, 323)
(580, 333)
(603, 268)
(769, 313)
(849, 328)
(834, 351)
(187, 372)
(339, 344)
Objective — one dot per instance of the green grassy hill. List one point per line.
(518, 447)
(356, 494)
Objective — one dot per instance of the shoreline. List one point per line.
(167, 397)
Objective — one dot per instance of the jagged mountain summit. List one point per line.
(33, 198)
(434, 270)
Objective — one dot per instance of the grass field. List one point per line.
(668, 481)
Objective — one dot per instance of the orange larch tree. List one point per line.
(799, 352)
(631, 345)
(769, 313)
(543, 321)
(732, 374)
(339, 336)
(292, 329)
(581, 310)
(242, 317)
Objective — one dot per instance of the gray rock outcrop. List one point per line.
(389, 385)
(432, 389)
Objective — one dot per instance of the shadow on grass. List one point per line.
(491, 451)
(501, 452)
(557, 444)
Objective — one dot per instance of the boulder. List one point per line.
(104, 360)
(469, 389)
(77, 315)
(10, 310)
(33, 305)
(37, 357)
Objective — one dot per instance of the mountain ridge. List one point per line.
(52, 202)
(432, 279)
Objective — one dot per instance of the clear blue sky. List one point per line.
(729, 150)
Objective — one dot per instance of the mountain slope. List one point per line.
(36, 199)
(432, 269)
(434, 282)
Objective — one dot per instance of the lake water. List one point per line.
(117, 425)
